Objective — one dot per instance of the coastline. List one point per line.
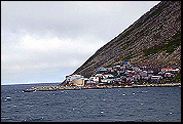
(53, 88)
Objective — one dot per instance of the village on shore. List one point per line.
(119, 76)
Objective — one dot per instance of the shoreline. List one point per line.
(53, 88)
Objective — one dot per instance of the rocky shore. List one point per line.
(53, 88)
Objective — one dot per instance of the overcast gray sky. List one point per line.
(43, 41)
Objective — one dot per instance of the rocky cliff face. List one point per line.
(153, 40)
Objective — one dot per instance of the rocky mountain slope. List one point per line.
(153, 40)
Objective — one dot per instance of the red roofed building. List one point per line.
(166, 69)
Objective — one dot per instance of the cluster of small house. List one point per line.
(122, 75)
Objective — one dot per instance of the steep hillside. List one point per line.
(153, 40)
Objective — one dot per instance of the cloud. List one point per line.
(27, 54)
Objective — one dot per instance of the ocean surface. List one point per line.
(147, 104)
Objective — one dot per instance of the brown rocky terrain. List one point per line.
(153, 40)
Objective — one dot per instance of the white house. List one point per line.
(95, 79)
(73, 77)
(156, 77)
(108, 76)
(175, 70)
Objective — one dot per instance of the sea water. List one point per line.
(145, 104)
